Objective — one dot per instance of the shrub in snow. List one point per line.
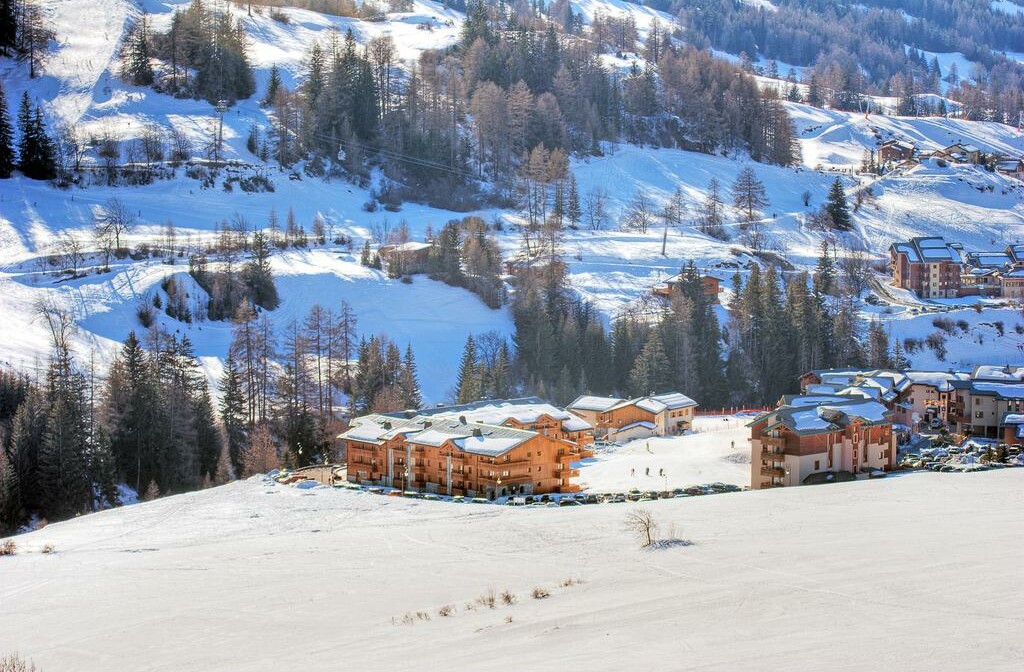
(446, 610)
(936, 342)
(48, 549)
(488, 599)
(8, 548)
(943, 323)
(540, 593)
(508, 598)
(15, 663)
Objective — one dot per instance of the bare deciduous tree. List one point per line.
(117, 219)
(181, 146)
(639, 213)
(72, 253)
(856, 268)
(595, 209)
(643, 526)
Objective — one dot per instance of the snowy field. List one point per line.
(718, 451)
(911, 573)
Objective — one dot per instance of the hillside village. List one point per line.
(842, 423)
(582, 333)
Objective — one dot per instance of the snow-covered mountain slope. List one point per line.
(609, 267)
(257, 576)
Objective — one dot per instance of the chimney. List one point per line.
(477, 432)
(410, 413)
(462, 419)
(387, 424)
(427, 423)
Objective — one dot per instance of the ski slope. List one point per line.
(718, 450)
(906, 573)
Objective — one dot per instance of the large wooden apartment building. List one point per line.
(625, 419)
(816, 438)
(450, 451)
(967, 403)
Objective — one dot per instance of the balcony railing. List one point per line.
(769, 454)
(774, 441)
(778, 472)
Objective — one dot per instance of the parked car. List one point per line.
(568, 502)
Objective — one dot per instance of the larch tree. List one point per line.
(748, 195)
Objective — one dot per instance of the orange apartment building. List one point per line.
(817, 438)
(448, 454)
(626, 419)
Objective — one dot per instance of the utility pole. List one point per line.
(222, 106)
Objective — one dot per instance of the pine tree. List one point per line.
(469, 374)
(63, 477)
(573, 211)
(501, 374)
(8, 27)
(409, 383)
(651, 373)
(103, 469)
(258, 274)
(7, 161)
(837, 208)
(273, 86)
(232, 413)
(10, 513)
(137, 68)
(35, 151)
(825, 271)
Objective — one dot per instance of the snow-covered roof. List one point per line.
(590, 403)
(674, 400)
(940, 380)
(989, 260)
(433, 431)
(412, 246)
(932, 249)
(814, 414)
(656, 403)
(640, 423)
(998, 373)
(999, 390)
(527, 410)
